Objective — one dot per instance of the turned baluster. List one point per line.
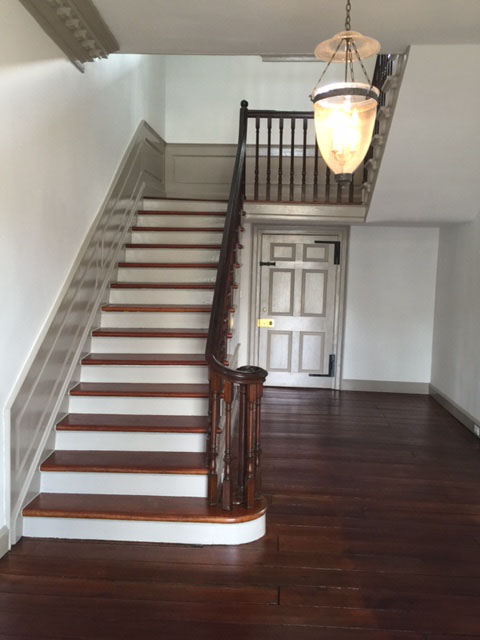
(215, 389)
(280, 158)
(269, 157)
(258, 449)
(304, 158)
(227, 460)
(242, 417)
(292, 158)
(250, 447)
(257, 147)
(315, 174)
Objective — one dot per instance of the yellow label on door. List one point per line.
(264, 323)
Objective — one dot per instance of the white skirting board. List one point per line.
(198, 533)
(385, 386)
(4, 541)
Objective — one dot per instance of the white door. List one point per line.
(299, 301)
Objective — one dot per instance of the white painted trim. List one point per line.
(42, 382)
(4, 541)
(205, 533)
(454, 409)
(136, 484)
(385, 386)
(278, 213)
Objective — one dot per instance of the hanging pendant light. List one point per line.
(345, 112)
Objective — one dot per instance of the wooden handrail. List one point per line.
(222, 379)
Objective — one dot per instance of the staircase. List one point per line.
(129, 460)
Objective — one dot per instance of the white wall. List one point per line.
(63, 136)
(204, 92)
(429, 171)
(390, 303)
(456, 344)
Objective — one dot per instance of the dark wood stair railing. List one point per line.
(242, 441)
(288, 167)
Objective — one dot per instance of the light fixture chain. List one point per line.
(326, 68)
(361, 62)
(348, 8)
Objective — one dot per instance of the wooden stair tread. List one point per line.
(168, 265)
(187, 359)
(136, 245)
(182, 229)
(162, 285)
(142, 390)
(126, 462)
(120, 507)
(153, 308)
(147, 332)
(125, 422)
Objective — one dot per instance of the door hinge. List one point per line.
(267, 264)
(331, 369)
(336, 248)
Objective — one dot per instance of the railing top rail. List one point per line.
(269, 113)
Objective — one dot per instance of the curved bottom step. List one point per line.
(141, 519)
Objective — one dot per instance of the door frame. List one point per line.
(340, 233)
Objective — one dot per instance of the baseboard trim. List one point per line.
(4, 541)
(386, 386)
(454, 409)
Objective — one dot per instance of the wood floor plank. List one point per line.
(372, 534)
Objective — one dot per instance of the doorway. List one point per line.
(298, 303)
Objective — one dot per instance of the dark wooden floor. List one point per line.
(373, 534)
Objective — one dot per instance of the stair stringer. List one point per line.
(39, 397)
(391, 88)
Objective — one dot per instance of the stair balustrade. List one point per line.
(283, 162)
(235, 394)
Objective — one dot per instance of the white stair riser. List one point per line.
(148, 274)
(183, 205)
(200, 533)
(172, 255)
(152, 320)
(129, 441)
(139, 374)
(176, 237)
(137, 484)
(148, 345)
(166, 220)
(143, 406)
(161, 296)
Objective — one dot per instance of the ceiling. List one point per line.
(283, 27)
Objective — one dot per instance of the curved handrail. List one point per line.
(215, 338)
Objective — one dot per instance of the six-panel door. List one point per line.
(299, 293)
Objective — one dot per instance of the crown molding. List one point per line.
(76, 27)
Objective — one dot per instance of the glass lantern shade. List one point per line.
(344, 121)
